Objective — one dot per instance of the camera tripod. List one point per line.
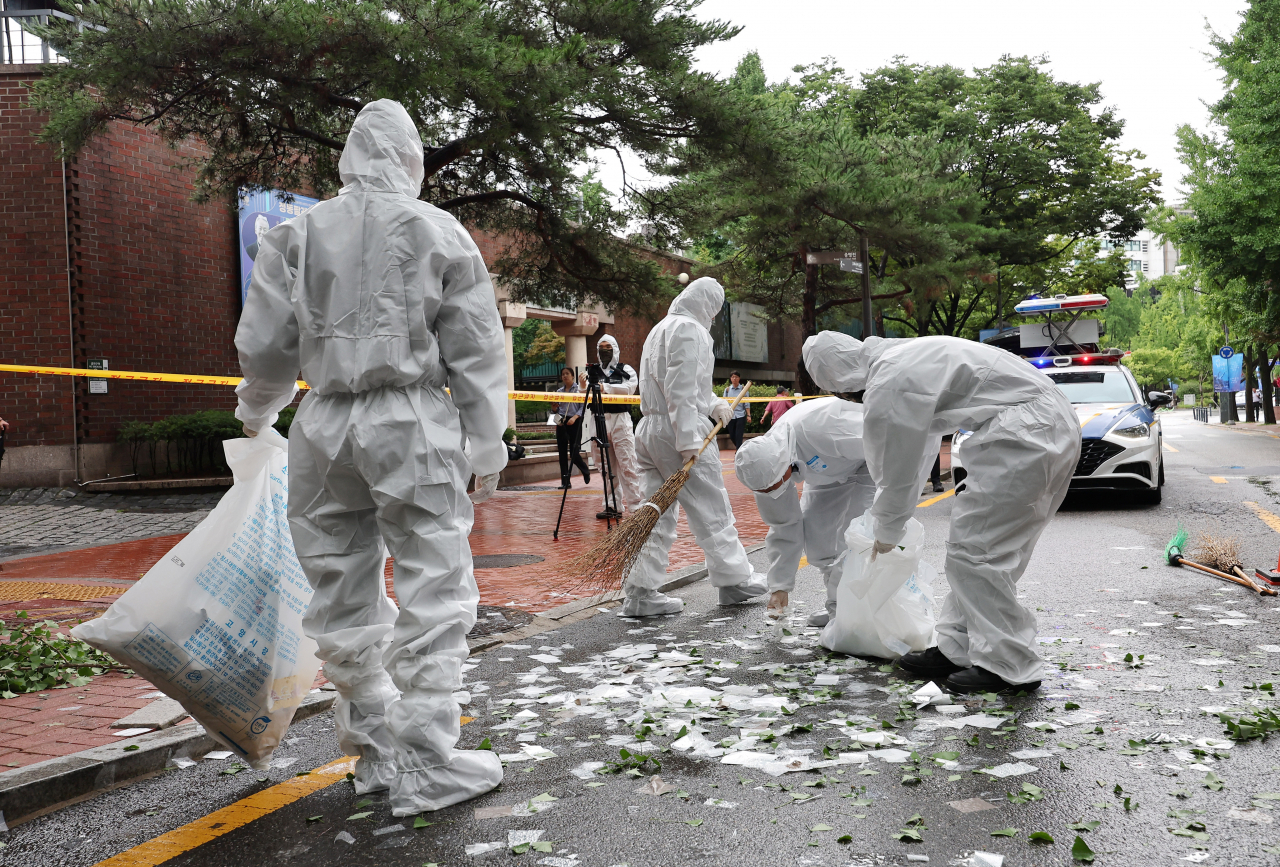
(593, 398)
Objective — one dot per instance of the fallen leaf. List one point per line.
(1043, 837)
(1080, 850)
(1005, 832)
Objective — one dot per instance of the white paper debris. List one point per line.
(1000, 772)
(481, 848)
(719, 802)
(983, 859)
(515, 838)
(344, 837)
(1027, 755)
(128, 733)
(587, 770)
(893, 757)
(389, 829)
(182, 762)
(218, 755)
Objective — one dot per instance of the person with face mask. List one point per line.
(820, 444)
(619, 379)
(382, 301)
(676, 400)
(1020, 459)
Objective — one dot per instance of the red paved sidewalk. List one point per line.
(38, 726)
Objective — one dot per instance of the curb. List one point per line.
(30, 792)
(26, 793)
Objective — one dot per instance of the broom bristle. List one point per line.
(1222, 553)
(1177, 543)
(605, 565)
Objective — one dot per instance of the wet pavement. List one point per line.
(830, 760)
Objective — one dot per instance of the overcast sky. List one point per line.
(1148, 55)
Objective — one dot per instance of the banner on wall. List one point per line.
(259, 211)
(749, 332)
(1228, 370)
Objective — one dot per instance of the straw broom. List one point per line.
(1223, 554)
(606, 564)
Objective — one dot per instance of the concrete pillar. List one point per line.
(512, 314)
(575, 333)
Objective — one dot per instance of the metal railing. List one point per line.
(1200, 413)
(18, 46)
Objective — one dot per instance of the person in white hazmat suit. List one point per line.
(1020, 459)
(819, 443)
(676, 400)
(382, 301)
(619, 379)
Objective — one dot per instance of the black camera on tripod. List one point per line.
(595, 374)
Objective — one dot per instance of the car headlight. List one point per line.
(1138, 431)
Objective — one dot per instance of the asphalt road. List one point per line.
(1101, 591)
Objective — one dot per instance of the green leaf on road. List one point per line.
(816, 828)
(1212, 782)
(1084, 826)
(693, 823)
(908, 835)
(1080, 850)
(419, 822)
(1043, 837)
(845, 838)
(1005, 832)
(314, 819)
(354, 817)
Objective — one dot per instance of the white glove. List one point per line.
(686, 455)
(720, 413)
(879, 547)
(485, 486)
(248, 431)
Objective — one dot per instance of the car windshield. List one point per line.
(1094, 386)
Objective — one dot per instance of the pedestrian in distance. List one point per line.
(1020, 459)
(381, 301)
(737, 426)
(819, 444)
(775, 409)
(569, 415)
(676, 401)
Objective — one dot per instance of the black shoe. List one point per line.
(564, 482)
(609, 515)
(930, 663)
(937, 487)
(977, 679)
(586, 476)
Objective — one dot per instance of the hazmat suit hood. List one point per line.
(701, 301)
(617, 353)
(840, 363)
(761, 462)
(383, 152)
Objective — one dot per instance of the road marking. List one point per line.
(228, 819)
(1218, 480)
(804, 561)
(1168, 448)
(208, 828)
(932, 500)
(1271, 520)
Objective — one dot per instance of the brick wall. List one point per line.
(154, 282)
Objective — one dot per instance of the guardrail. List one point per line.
(1200, 413)
(18, 46)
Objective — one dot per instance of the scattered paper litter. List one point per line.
(587, 770)
(218, 755)
(1255, 815)
(281, 764)
(929, 694)
(1269, 648)
(892, 756)
(389, 829)
(492, 812)
(344, 837)
(971, 805)
(1000, 772)
(655, 786)
(1027, 755)
(515, 838)
(1197, 857)
(481, 848)
(128, 733)
(983, 859)
(981, 721)
(719, 802)
(182, 762)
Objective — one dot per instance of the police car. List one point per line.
(1119, 430)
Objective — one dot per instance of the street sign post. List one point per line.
(853, 262)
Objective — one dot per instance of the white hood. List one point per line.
(761, 462)
(701, 301)
(838, 362)
(617, 352)
(383, 152)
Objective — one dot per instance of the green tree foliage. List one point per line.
(544, 344)
(509, 98)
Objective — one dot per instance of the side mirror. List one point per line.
(1159, 398)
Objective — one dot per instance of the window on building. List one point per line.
(1135, 265)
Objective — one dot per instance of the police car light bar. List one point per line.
(1110, 356)
(1034, 306)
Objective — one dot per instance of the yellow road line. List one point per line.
(228, 819)
(1218, 480)
(932, 500)
(1268, 518)
(804, 561)
(1168, 448)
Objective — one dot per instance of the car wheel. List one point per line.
(1151, 497)
(1161, 474)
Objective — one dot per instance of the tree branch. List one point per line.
(491, 196)
(841, 302)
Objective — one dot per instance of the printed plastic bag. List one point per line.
(217, 623)
(883, 608)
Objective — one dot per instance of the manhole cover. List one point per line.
(505, 561)
(491, 620)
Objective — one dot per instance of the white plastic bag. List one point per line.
(217, 623)
(883, 608)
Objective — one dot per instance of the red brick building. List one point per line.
(106, 258)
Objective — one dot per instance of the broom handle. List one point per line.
(1214, 572)
(688, 465)
(1262, 591)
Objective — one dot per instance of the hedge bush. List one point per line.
(188, 443)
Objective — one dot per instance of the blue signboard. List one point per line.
(1228, 371)
(259, 211)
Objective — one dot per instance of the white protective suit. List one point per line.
(1020, 459)
(381, 301)
(676, 400)
(620, 379)
(822, 441)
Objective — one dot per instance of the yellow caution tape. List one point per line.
(543, 396)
